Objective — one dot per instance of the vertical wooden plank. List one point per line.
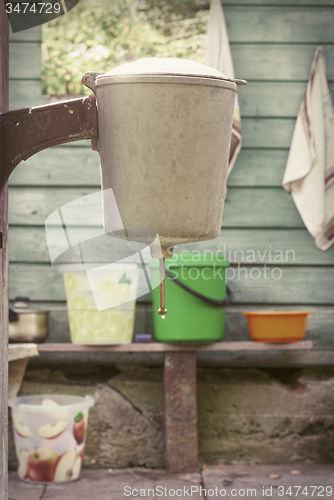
(180, 411)
(4, 75)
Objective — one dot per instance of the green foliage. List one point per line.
(98, 36)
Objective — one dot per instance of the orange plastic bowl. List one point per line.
(277, 326)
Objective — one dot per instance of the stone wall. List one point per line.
(244, 415)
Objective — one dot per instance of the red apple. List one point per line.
(41, 464)
(79, 427)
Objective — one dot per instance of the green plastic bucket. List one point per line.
(191, 318)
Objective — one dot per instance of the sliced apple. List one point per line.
(23, 464)
(81, 452)
(41, 463)
(22, 429)
(22, 458)
(67, 467)
(76, 468)
(51, 431)
(49, 402)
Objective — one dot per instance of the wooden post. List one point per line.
(181, 411)
(4, 77)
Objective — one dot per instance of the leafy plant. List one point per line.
(100, 36)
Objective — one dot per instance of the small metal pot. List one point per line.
(25, 324)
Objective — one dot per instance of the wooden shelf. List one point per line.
(21, 351)
(162, 347)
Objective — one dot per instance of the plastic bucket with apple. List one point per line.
(49, 435)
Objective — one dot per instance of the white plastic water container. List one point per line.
(50, 434)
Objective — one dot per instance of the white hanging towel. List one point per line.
(218, 56)
(309, 173)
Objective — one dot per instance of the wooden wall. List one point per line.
(272, 43)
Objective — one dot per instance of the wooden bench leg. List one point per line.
(181, 411)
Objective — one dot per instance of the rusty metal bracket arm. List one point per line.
(24, 133)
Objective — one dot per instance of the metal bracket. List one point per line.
(24, 133)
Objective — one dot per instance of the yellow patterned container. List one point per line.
(101, 302)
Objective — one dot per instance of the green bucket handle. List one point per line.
(215, 302)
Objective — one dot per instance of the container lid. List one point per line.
(41, 402)
(193, 259)
(75, 267)
(30, 311)
(168, 66)
(157, 69)
(22, 301)
(22, 306)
